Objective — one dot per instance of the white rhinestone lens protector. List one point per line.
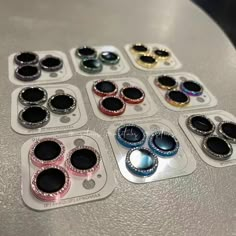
(182, 163)
(216, 117)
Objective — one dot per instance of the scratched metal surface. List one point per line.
(200, 204)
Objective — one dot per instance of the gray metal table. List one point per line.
(200, 204)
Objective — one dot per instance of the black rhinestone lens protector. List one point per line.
(34, 114)
(112, 104)
(86, 52)
(26, 58)
(109, 58)
(228, 130)
(91, 66)
(27, 73)
(51, 63)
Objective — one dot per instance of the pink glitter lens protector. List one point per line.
(47, 151)
(50, 183)
(83, 161)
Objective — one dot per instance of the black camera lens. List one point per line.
(200, 125)
(228, 130)
(177, 98)
(132, 95)
(141, 162)
(32, 96)
(217, 148)
(50, 183)
(91, 66)
(139, 48)
(83, 161)
(27, 73)
(109, 58)
(166, 82)
(105, 88)
(161, 53)
(86, 52)
(62, 103)
(191, 88)
(33, 117)
(130, 135)
(147, 60)
(112, 106)
(51, 63)
(26, 58)
(163, 143)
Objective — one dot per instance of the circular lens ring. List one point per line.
(223, 133)
(191, 92)
(158, 150)
(33, 125)
(25, 102)
(216, 156)
(162, 54)
(50, 197)
(55, 161)
(126, 143)
(59, 111)
(27, 78)
(91, 52)
(139, 48)
(102, 57)
(198, 131)
(138, 171)
(101, 93)
(131, 100)
(147, 65)
(111, 112)
(83, 172)
(20, 61)
(51, 68)
(176, 103)
(91, 70)
(161, 85)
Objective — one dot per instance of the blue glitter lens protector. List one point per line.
(130, 135)
(163, 143)
(141, 161)
(192, 88)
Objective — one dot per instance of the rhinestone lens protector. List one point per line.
(177, 98)
(192, 88)
(105, 88)
(163, 144)
(109, 58)
(29, 96)
(139, 48)
(33, 117)
(91, 65)
(132, 94)
(86, 52)
(83, 161)
(27, 73)
(62, 103)
(26, 58)
(200, 124)
(147, 60)
(47, 151)
(141, 161)
(162, 54)
(228, 130)
(51, 63)
(50, 183)
(166, 82)
(130, 135)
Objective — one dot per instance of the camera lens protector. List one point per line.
(131, 135)
(34, 117)
(26, 58)
(29, 96)
(27, 73)
(152, 57)
(166, 82)
(112, 106)
(39, 67)
(47, 151)
(86, 52)
(212, 135)
(99, 61)
(51, 63)
(132, 94)
(200, 124)
(109, 58)
(60, 173)
(182, 91)
(141, 161)
(105, 88)
(83, 161)
(62, 103)
(145, 156)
